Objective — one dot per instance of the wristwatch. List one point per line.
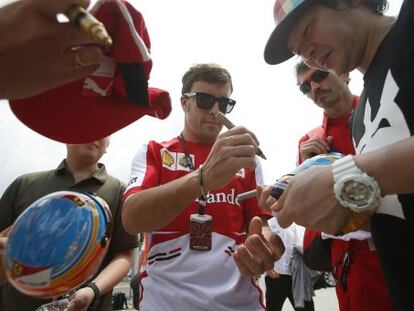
(97, 295)
(353, 188)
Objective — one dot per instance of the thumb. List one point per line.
(282, 213)
(329, 140)
(255, 226)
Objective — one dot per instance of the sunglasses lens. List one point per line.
(319, 75)
(305, 87)
(205, 101)
(226, 105)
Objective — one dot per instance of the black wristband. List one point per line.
(96, 293)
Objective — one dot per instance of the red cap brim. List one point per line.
(63, 115)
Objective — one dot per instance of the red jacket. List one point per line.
(338, 128)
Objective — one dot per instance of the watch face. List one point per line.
(356, 193)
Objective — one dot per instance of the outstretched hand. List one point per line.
(260, 250)
(264, 198)
(314, 146)
(81, 299)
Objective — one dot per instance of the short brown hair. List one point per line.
(211, 73)
(301, 67)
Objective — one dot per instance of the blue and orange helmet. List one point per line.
(58, 243)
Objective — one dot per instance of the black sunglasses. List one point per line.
(206, 101)
(317, 76)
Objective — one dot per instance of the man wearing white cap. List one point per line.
(342, 35)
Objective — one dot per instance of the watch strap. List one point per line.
(344, 166)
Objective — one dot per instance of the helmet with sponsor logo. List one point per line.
(58, 243)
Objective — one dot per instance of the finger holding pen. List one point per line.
(38, 47)
(88, 24)
(241, 141)
(75, 11)
(265, 197)
(233, 150)
(221, 117)
(229, 125)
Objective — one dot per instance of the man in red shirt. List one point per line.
(182, 192)
(360, 281)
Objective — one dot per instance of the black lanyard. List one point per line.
(202, 200)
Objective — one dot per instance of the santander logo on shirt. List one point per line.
(221, 197)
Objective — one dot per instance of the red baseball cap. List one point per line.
(114, 96)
